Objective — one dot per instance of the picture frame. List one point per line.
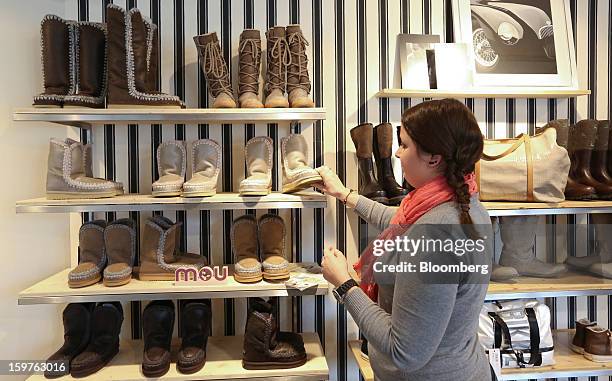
(517, 43)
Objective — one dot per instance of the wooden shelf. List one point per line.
(223, 362)
(88, 117)
(496, 208)
(490, 92)
(570, 284)
(55, 289)
(567, 363)
(146, 202)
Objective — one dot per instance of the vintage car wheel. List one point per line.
(486, 57)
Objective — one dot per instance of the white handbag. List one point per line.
(520, 329)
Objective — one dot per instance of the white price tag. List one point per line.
(495, 361)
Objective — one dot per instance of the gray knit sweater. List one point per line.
(421, 331)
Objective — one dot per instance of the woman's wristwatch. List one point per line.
(341, 291)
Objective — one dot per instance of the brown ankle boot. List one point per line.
(573, 190)
(599, 160)
(215, 70)
(276, 74)
(120, 246)
(131, 40)
(598, 344)
(581, 144)
(92, 256)
(247, 268)
(298, 81)
(271, 237)
(249, 66)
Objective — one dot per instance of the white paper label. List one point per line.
(495, 361)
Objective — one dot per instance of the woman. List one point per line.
(420, 329)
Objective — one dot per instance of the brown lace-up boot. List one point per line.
(249, 66)
(276, 74)
(298, 81)
(215, 70)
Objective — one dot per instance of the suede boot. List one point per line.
(271, 237)
(104, 344)
(577, 344)
(297, 174)
(77, 331)
(56, 40)
(92, 255)
(215, 70)
(258, 155)
(298, 80)
(171, 166)
(363, 136)
(573, 190)
(383, 141)
(276, 75)
(195, 328)
(518, 235)
(582, 138)
(157, 326)
(600, 263)
(598, 344)
(205, 167)
(247, 268)
(264, 346)
(88, 166)
(249, 65)
(120, 243)
(503, 273)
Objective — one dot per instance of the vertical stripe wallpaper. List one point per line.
(351, 56)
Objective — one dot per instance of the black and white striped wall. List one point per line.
(351, 56)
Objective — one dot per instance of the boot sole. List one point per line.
(247, 279)
(576, 349)
(76, 195)
(90, 371)
(199, 194)
(46, 106)
(84, 283)
(276, 276)
(382, 200)
(192, 368)
(120, 106)
(166, 194)
(253, 365)
(116, 283)
(598, 358)
(156, 373)
(301, 184)
(256, 192)
(396, 200)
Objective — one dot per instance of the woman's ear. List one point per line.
(435, 161)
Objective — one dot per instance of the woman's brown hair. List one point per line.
(448, 128)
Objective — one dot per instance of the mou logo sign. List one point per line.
(207, 274)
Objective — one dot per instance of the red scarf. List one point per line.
(413, 206)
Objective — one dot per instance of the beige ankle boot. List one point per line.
(249, 66)
(66, 176)
(215, 70)
(171, 165)
(120, 244)
(298, 81)
(205, 166)
(271, 229)
(247, 268)
(258, 155)
(297, 174)
(88, 165)
(92, 256)
(276, 74)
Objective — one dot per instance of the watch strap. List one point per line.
(344, 287)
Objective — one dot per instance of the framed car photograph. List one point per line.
(526, 43)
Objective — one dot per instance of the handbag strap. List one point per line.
(535, 357)
(534, 337)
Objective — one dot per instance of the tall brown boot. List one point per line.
(581, 144)
(215, 70)
(363, 136)
(599, 160)
(90, 50)
(573, 190)
(249, 66)
(130, 47)
(383, 141)
(298, 81)
(56, 40)
(276, 74)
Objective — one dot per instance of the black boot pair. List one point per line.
(91, 339)
(377, 140)
(158, 323)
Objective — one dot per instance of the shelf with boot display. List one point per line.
(223, 362)
(486, 92)
(146, 202)
(87, 117)
(55, 289)
(502, 208)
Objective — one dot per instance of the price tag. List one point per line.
(495, 361)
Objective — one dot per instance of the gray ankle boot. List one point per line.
(249, 66)
(171, 165)
(601, 263)
(88, 166)
(92, 255)
(66, 176)
(297, 174)
(503, 273)
(258, 155)
(518, 235)
(205, 167)
(120, 245)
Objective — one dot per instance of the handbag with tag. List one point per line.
(526, 168)
(520, 329)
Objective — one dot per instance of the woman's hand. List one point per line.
(331, 184)
(335, 267)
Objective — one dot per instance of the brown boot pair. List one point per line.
(593, 341)
(105, 251)
(253, 240)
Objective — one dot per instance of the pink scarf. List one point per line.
(413, 206)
